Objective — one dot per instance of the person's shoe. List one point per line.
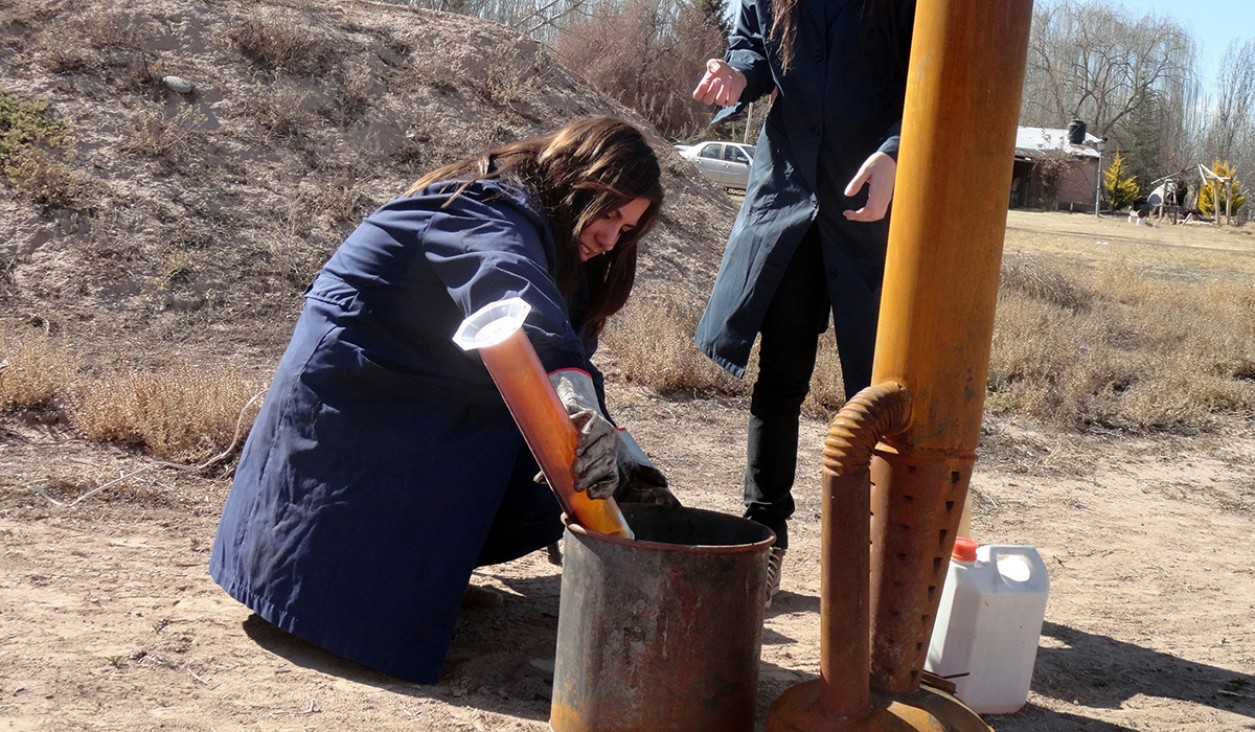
(775, 562)
(554, 551)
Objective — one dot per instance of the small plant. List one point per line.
(1120, 189)
(278, 44)
(178, 267)
(33, 147)
(26, 125)
(47, 181)
(156, 135)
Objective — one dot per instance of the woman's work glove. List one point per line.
(639, 480)
(596, 454)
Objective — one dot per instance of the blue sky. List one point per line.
(1212, 23)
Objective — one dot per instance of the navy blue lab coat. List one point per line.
(840, 102)
(384, 465)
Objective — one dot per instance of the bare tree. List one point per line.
(1231, 122)
(1095, 61)
(647, 54)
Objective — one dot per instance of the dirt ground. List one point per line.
(108, 620)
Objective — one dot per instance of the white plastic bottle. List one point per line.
(988, 624)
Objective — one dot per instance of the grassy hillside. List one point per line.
(145, 221)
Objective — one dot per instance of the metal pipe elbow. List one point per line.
(876, 412)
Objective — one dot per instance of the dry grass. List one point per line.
(180, 412)
(183, 412)
(653, 344)
(1080, 345)
(1114, 347)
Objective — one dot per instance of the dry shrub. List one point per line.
(353, 91)
(280, 43)
(510, 73)
(99, 37)
(68, 58)
(652, 341)
(157, 135)
(105, 27)
(183, 412)
(286, 114)
(40, 371)
(1138, 359)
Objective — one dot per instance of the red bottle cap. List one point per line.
(964, 549)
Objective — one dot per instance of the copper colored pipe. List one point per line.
(845, 645)
(935, 329)
(539, 413)
(938, 305)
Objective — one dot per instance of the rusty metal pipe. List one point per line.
(844, 663)
(935, 329)
(496, 331)
(937, 311)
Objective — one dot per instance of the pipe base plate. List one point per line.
(799, 709)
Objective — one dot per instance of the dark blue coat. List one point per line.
(840, 102)
(384, 465)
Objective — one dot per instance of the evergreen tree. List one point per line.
(1142, 140)
(1119, 187)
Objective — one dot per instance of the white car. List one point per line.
(724, 163)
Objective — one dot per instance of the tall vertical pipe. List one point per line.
(937, 307)
(935, 329)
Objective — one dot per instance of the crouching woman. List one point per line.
(384, 466)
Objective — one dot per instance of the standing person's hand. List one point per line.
(877, 174)
(721, 84)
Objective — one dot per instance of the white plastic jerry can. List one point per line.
(988, 624)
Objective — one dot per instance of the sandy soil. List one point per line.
(108, 620)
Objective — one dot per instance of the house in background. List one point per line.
(1052, 173)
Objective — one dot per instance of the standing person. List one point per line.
(385, 466)
(811, 233)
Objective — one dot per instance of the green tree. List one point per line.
(1119, 187)
(1215, 193)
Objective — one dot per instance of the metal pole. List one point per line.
(1098, 178)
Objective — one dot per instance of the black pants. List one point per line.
(790, 332)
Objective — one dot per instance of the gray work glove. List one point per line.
(596, 454)
(639, 480)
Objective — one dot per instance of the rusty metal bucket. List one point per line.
(661, 634)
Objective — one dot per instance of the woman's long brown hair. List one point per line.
(581, 172)
(881, 13)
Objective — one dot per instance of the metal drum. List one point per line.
(661, 634)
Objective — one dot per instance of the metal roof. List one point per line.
(1034, 142)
